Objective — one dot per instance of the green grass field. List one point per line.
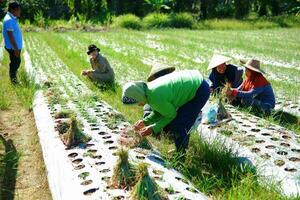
(132, 53)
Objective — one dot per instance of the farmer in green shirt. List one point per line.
(176, 100)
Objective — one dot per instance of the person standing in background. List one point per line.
(13, 39)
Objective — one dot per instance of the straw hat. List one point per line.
(254, 65)
(156, 70)
(217, 60)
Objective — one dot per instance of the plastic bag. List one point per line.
(210, 114)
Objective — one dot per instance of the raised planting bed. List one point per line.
(272, 149)
(84, 169)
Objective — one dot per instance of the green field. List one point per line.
(133, 53)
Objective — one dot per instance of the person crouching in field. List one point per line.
(255, 91)
(223, 73)
(13, 39)
(176, 99)
(101, 72)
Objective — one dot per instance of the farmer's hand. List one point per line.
(83, 73)
(146, 131)
(17, 53)
(138, 125)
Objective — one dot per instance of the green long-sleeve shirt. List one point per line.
(168, 93)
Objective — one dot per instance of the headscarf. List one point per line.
(134, 91)
(255, 80)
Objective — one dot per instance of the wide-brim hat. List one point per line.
(92, 48)
(217, 60)
(254, 65)
(155, 71)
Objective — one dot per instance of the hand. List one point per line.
(138, 125)
(83, 73)
(17, 53)
(146, 131)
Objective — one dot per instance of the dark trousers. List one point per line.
(186, 117)
(13, 65)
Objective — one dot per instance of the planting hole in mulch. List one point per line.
(286, 137)
(95, 129)
(159, 178)
(246, 125)
(113, 148)
(77, 161)
(285, 144)
(255, 150)
(100, 163)
(170, 190)
(274, 139)
(266, 134)
(72, 155)
(109, 142)
(88, 182)
(118, 198)
(106, 178)
(290, 169)
(106, 137)
(90, 191)
(83, 175)
(182, 180)
(93, 125)
(97, 157)
(79, 167)
(279, 162)
(294, 159)
(282, 153)
(193, 190)
(141, 157)
(270, 147)
(260, 141)
(251, 136)
(102, 133)
(255, 130)
(89, 145)
(92, 151)
(158, 172)
(296, 150)
(105, 171)
(265, 156)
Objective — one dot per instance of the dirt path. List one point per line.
(27, 171)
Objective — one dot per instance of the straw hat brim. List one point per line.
(254, 69)
(155, 71)
(218, 60)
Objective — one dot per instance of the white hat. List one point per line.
(217, 60)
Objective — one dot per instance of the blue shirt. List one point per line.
(10, 23)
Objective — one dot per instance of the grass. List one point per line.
(24, 91)
(211, 167)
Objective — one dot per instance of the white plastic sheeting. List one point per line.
(273, 150)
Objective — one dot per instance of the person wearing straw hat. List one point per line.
(255, 91)
(101, 70)
(176, 99)
(222, 73)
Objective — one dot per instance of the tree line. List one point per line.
(103, 10)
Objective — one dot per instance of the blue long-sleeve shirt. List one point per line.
(265, 94)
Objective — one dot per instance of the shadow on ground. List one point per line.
(9, 167)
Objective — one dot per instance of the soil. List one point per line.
(29, 177)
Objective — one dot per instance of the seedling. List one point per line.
(146, 188)
(124, 172)
(63, 114)
(131, 139)
(73, 135)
